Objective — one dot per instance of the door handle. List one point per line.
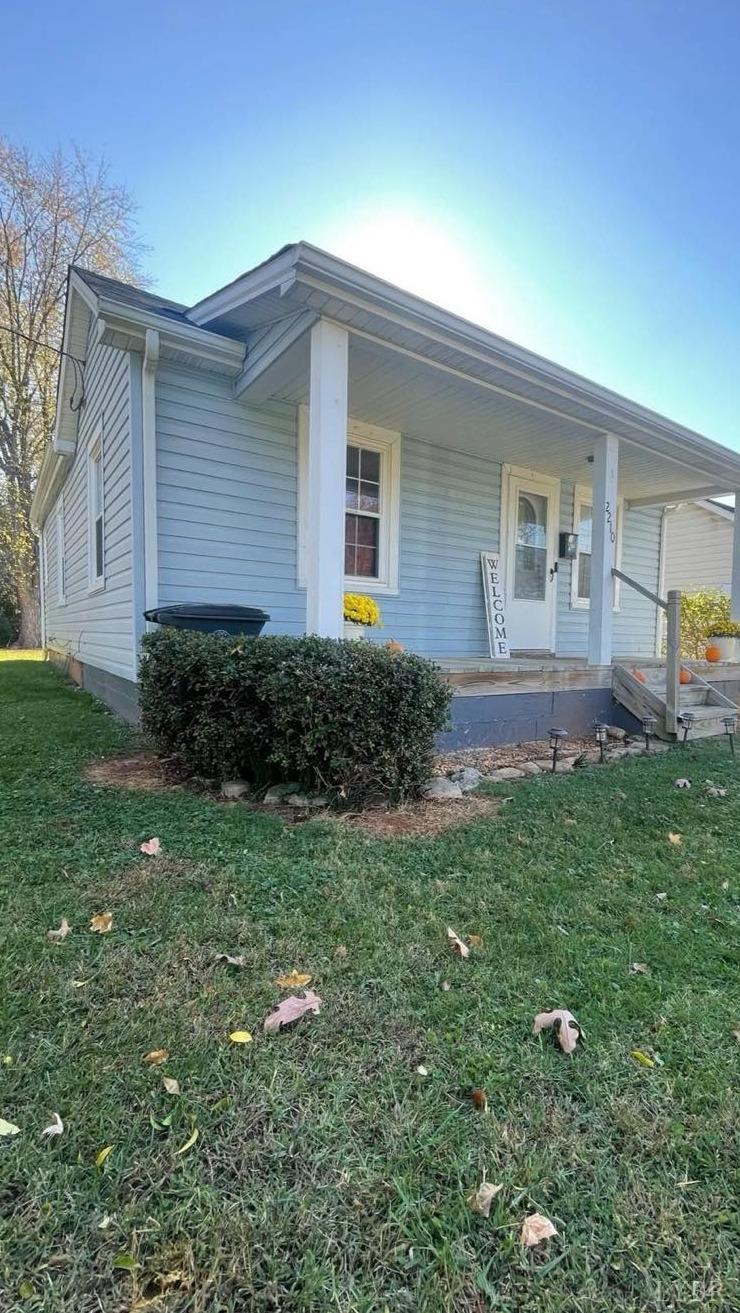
(553, 571)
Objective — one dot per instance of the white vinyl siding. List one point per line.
(96, 627)
(698, 549)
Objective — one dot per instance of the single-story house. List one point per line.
(698, 546)
(310, 429)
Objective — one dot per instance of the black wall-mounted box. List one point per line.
(568, 546)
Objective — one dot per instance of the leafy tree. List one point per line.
(55, 211)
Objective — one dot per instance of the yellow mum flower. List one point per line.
(361, 609)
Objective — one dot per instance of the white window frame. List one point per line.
(95, 581)
(583, 496)
(61, 558)
(387, 442)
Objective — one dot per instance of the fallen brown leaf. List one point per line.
(171, 1085)
(294, 980)
(457, 944)
(479, 1099)
(475, 941)
(537, 1228)
(675, 839)
(565, 1025)
(58, 936)
(151, 847)
(482, 1197)
(639, 969)
(102, 923)
(156, 1057)
(291, 1009)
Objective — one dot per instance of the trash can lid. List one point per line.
(207, 611)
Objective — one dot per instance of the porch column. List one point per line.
(327, 459)
(735, 600)
(603, 542)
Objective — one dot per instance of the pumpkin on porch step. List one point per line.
(713, 653)
(640, 676)
(684, 676)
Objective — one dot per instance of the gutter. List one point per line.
(149, 466)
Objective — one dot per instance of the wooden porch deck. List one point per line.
(478, 677)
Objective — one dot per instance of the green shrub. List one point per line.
(702, 614)
(351, 718)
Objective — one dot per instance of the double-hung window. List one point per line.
(96, 514)
(371, 507)
(581, 567)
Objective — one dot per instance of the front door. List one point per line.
(531, 576)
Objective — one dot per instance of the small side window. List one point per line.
(96, 514)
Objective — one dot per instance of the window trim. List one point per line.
(95, 581)
(61, 589)
(388, 443)
(583, 496)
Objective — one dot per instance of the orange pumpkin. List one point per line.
(713, 653)
(393, 645)
(684, 676)
(639, 676)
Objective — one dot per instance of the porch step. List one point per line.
(707, 706)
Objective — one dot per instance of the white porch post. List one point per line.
(327, 446)
(735, 602)
(603, 541)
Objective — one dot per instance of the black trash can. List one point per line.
(211, 618)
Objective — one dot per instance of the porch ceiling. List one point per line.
(438, 403)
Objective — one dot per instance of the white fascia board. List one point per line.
(678, 495)
(274, 273)
(714, 508)
(126, 326)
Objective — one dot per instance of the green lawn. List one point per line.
(327, 1173)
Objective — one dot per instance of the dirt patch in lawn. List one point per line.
(420, 819)
(144, 773)
(508, 754)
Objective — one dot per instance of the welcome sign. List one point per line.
(493, 592)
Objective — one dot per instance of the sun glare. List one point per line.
(420, 256)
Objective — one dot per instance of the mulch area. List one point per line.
(507, 754)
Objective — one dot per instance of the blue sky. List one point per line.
(564, 171)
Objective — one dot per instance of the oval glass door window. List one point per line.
(530, 550)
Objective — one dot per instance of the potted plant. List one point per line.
(725, 639)
(360, 613)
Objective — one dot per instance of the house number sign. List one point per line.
(493, 592)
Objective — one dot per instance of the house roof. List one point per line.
(459, 378)
(128, 294)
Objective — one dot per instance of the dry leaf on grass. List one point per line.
(682, 783)
(58, 936)
(639, 969)
(8, 1128)
(171, 1085)
(642, 1059)
(239, 961)
(675, 839)
(189, 1142)
(341, 951)
(291, 1009)
(102, 923)
(482, 1197)
(240, 1037)
(105, 1153)
(457, 944)
(55, 1127)
(537, 1228)
(445, 986)
(151, 847)
(422, 1071)
(156, 1057)
(714, 791)
(565, 1025)
(475, 941)
(479, 1099)
(736, 1033)
(661, 897)
(294, 980)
